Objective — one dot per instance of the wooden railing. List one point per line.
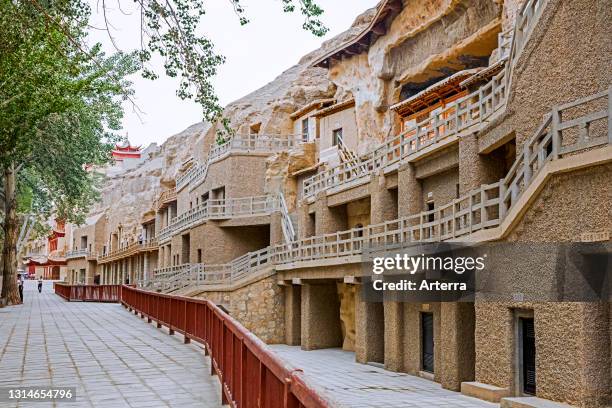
(237, 143)
(474, 109)
(169, 272)
(287, 225)
(570, 128)
(526, 18)
(128, 250)
(79, 253)
(165, 197)
(200, 275)
(470, 110)
(88, 293)
(220, 209)
(250, 373)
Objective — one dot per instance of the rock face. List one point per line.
(426, 41)
(281, 166)
(125, 197)
(128, 195)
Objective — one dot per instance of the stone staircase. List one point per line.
(585, 139)
(287, 222)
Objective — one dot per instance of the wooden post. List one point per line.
(610, 115)
(480, 105)
(526, 164)
(470, 220)
(555, 132)
(483, 208)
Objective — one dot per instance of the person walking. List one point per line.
(20, 286)
(40, 282)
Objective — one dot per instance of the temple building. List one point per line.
(46, 257)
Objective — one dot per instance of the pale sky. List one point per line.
(255, 54)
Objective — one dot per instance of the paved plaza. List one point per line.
(115, 359)
(354, 385)
(112, 357)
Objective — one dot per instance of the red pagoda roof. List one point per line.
(126, 152)
(128, 148)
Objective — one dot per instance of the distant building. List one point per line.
(121, 153)
(46, 258)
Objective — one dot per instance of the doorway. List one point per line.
(427, 342)
(185, 249)
(527, 355)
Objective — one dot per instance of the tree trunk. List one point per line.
(10, 292)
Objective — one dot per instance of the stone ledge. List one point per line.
(484, 391)
(531, 402)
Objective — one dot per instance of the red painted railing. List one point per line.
(88, 293)
(250, 374)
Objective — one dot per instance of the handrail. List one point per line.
(470, 110)
(130, 249)
(165, 196)
(287, 224)
(88, 293)
(474, 109)
(178, 277)
(247, 369)
(484, 207)
(220, 209)
(236, 143)
(79, 253)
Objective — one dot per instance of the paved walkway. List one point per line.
(113, 358)
(354, 385)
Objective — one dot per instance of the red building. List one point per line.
(55, 257)
(121, 153)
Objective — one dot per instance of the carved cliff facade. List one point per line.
(473, 121)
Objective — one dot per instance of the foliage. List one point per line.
(61, 108)
(169, 28)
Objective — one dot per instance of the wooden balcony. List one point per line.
(130, 250)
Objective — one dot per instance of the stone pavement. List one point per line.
(113, 358)
(354, 385)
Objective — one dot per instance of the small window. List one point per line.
(337, 137)
(199, 256)
(430, 207)
(457, 190)
(305, 135)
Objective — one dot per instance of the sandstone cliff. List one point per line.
(129, 194)
(126, 196)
